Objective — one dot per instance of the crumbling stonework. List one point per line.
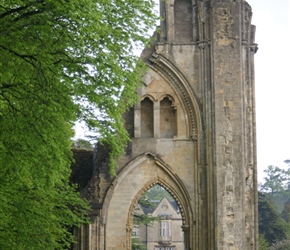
(193, 133)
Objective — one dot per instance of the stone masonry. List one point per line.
(193, 133)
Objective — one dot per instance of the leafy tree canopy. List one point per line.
(157, 193)
(263, 243)
(271, 225)
(138, 245)
(83, 144)
(277, 179)
(61, 61)
(281, 245)
(73, 58)
(148, 203)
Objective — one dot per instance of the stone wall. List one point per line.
(193, 132)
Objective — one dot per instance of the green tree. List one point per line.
(81, 143)
(157, 193)
(148, 203)
(271, 225)
(263, 243)
(287, 162)
(140, 218)
(138, 245)
(61, 61)
(281, 245)
(276, 179)
(286, 211)
(143, 218)
(75, 57)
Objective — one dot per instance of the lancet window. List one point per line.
(167, 119)
(147, 118)
(155, 119)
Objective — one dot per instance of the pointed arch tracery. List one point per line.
(149, 97)
(178, 82)
(166, 186)
(169, 180)
(170, 97)
(178, 191)
(145, 174)
(147, 118)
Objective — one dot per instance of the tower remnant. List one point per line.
(193, 133)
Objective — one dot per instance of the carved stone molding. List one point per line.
(204, 44)
(163, 184)
(254, 47)
(169, 72)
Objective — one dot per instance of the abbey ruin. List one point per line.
(193, 133)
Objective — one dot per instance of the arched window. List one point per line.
(183, 20)
(147, 124)
(167, 119)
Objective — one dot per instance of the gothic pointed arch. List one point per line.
(205, 72)
(178, 82)
(131, 188)
(147, 118)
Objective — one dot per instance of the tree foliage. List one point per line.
(83, 144)
(281, 245)
(147, 205)
(74, 58)
(277, 179)
(158, 193)
(274, 199)
(271, 225)
(263, 243)
(286, 211)
(61, 61)
(138, 245)
(144, 218)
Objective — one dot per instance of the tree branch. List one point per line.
(24, 57)
(11, 11)
(27, 14)
(7, 85)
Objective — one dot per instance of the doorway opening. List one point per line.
(157, 222)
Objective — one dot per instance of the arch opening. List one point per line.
(133, 181)
(157, 221)
(147, 116)
(168, 127)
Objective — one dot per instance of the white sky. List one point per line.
(272, 74)
(272, 68)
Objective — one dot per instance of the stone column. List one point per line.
(137, 120)
(228, 122)
(156, 119)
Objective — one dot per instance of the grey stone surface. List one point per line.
(203, 65)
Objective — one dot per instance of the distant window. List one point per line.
(167, 119)
(147, 118)
(165, 228)
(136, 232)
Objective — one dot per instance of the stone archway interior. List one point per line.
(157, 222)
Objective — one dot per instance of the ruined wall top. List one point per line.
(190, 21)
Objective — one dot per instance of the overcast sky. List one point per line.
(272, 74)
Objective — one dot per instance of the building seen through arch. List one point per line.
(193, 133)
(161, 228)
